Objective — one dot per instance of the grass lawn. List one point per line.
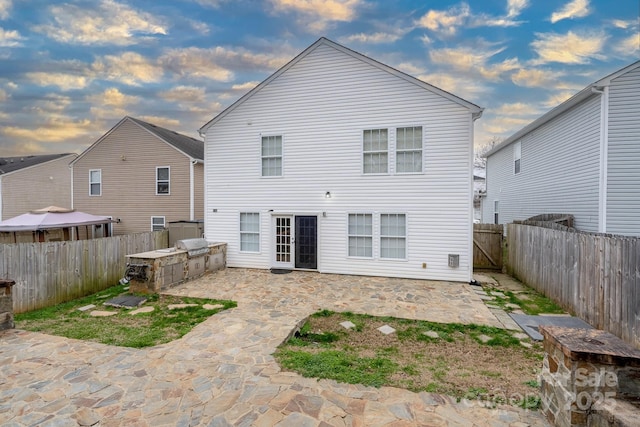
(122, 329)
(465, 361)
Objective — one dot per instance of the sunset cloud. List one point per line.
(570, 48)
(573, 9)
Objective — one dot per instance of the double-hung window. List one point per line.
(249, 232)
(271, 153)
(361, 235)
(517, 154)
(375, 151)
(409, 149)
(162, 180)
(393, 236)
(496, 212)
(95, 182)
(157, 223)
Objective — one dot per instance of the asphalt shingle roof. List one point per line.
(190, 146)
(12, 164)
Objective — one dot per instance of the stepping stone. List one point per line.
(431, 334)
(484, 338)
(142, 310)
(98, 313)
(386, 329)
(87, 307)
(520, 335)
(212, 306)
(526, 344)
(485, 297)
(510, 305)
(497, 294)
(177, 306)
(126, 301)
(348, 325)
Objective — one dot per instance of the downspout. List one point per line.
(192, 189)
(474, 116)
(71, 167)
(0, 198)
(604, 154)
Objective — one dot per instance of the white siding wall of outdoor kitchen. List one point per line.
(320, 106)
(559, 170)
(623, 181)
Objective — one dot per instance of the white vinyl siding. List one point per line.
(322, 105)
(271, 155)
(517, 155)
(157, 223)
(375, 151)
(163, 179)
(95, 182)
(249, 232)
(409, 150)
(360, 235)
(623, 162)
(561, 173)
(393, 236)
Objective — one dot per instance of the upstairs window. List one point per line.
(95, 182)
(360, 235)
(517, 153)
(249, 232)
(375, 151)
(409, 150)
(162, 180)
(393, 236)
(272, 155)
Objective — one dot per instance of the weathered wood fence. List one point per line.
(595, 276)
(53, 272)
(487, 246)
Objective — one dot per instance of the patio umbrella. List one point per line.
(51, 217)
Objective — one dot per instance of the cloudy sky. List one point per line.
(71, 70)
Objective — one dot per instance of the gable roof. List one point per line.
(12, 164)
(587, 92)
(186, 145)
(322, 41)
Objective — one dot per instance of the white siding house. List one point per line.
(341, 164)
(581, 158)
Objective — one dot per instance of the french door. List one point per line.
(295, 242)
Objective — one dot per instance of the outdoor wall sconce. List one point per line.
(327, 195)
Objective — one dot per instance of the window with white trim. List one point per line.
(375, 151)
(393, 236)
(360, 233)
(157, 223)
(271, 153)
(409, 149)
(95, 182)
(249, 232)
(517, 154)
(496, 212)
(162, 180)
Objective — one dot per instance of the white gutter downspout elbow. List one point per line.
(604, 154)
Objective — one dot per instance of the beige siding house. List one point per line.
(33, 182)
(141, 175)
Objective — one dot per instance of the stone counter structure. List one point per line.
(6, 304)
(161, 269)
(589, 378)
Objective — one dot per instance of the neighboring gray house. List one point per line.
(340, 164)
(581, 158)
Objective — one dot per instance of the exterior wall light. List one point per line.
(327, 195)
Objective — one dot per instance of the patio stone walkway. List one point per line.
(223, 374)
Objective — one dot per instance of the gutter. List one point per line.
(192, 189)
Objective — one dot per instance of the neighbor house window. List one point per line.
(272, 155)
(517, 153)
(409, 149)
(162, 180)
(361, 235)
(157, 223)
(393, 236)
(249, 232)
(95, 182)
(496, 211)
(375, 151)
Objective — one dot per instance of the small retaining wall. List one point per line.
(6, 304)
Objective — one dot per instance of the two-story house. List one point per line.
(141, 175)
(341, 164)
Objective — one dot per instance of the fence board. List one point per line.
(594, 276)
(49, 273)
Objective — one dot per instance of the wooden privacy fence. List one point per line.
(595, 276)
(487, 246)
(49, 273)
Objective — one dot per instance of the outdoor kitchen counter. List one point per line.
(156, 270)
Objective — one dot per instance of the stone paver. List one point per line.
(386, 329)
(223, 374)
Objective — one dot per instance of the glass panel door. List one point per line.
(306, 242)
(284, 240)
